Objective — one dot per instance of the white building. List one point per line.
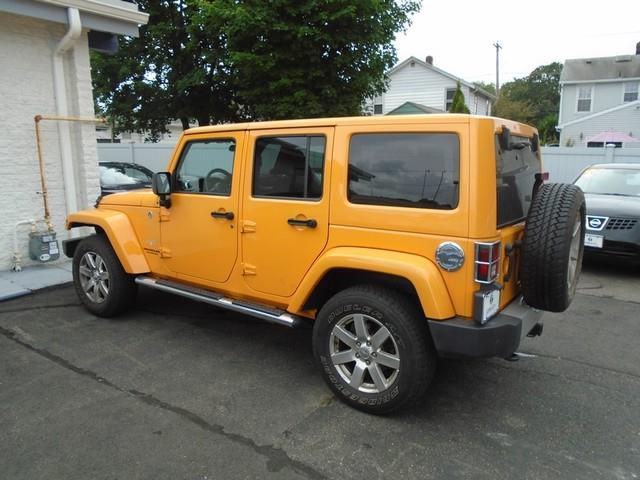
(416, 86)
(599, 95)
(44, 60)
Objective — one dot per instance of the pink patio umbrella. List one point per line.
(611, 137)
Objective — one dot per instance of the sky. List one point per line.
(460, 34)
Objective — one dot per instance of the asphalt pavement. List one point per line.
(179, 390)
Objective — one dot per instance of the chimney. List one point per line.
(638, 48)
(429, 58)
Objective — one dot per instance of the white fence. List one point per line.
(154, 156)
(563, 163)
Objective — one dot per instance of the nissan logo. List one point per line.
(596, 223)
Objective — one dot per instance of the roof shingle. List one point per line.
(602, 68)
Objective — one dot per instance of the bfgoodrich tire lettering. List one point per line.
(374, 349)
(101, 283)
(553, 247)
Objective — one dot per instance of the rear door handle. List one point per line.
(311, 223)
(227, 215)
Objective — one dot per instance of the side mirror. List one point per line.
(161, 186)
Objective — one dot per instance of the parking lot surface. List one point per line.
(179, 390)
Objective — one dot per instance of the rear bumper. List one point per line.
(499, 337)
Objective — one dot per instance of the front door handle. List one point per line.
(227, 215)
(311, 223)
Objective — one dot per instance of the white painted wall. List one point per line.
(26, 89)
(625, 120)
(420, 84)
(604, 96)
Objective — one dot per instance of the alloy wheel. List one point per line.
(94, 277)
(364, 353)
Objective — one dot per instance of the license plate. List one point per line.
(591, 240)
(490, 304)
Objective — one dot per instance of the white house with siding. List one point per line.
(599, 95)
(44, 59)
(423, 84)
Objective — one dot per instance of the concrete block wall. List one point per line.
(26, 89)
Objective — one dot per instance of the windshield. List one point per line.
(610, 181)
(516, 169)
(124, 176)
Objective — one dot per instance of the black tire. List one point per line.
(553, 247)
(409, 347)
(118, 287)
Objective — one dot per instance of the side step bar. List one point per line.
(241, 306)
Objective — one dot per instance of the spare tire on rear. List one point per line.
(553, 246)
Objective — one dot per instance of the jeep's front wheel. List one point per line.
(374, 349)
(101, 283)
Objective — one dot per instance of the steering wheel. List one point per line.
(217, 184)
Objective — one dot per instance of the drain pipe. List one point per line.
(59, 86)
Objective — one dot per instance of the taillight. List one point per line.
(487, 262)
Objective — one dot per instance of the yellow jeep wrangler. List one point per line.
(401, 238)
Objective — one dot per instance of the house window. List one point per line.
(449, 99)
(377, 109)
(630, 92)
(584, 98)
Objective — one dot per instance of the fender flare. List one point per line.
(122, 237)
(422, 273)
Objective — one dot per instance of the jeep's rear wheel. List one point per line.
(553, 247)
(374, 348)
(101, 283)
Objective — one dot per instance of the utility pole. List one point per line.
(498, 47)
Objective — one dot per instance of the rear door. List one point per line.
(516, 169)
(285, 217)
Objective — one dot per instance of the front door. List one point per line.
(199, 237)
(285, 218)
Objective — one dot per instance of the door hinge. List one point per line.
(164, 214)
(165, 253)
(248, 269)
(248, 226)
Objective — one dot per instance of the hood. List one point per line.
(135, 198)
(612, 205)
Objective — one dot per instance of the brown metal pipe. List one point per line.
(43, 181)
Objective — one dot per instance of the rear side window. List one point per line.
(289, 167)
(417, 170)
(516, 169)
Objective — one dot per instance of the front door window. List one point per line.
(206, 166)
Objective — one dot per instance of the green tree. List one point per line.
(174, 70)
(487, 87)
(226, 60)
(533, 99)
(458, 104)
(293, 59)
